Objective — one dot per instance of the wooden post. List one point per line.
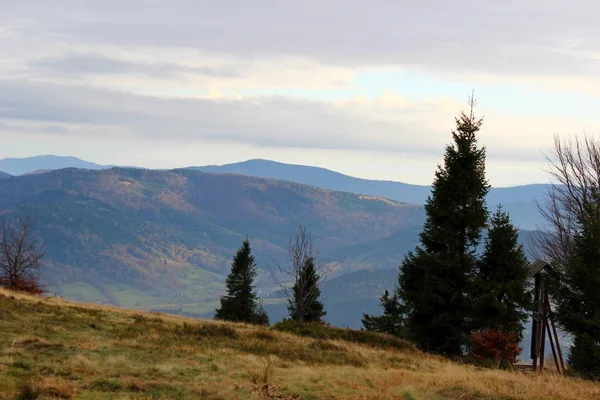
(553, 349)
(562, 363)
(544, 324)
(536, 322)
(560, 356)
(540, 318)
(533, 344)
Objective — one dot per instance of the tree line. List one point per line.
(451, 297)
(448, 294)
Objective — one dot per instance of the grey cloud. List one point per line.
(514, 36)
(83, 64)
(274, 122)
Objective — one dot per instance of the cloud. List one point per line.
(388, 124)
(286, 76)
(523, 37)
(92, 64)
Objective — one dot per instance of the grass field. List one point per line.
(50, 348)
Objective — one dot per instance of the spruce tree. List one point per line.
(435, 281)
(392, 320)
(240, 302)
(501, 295)
(578, 295)
(305, 306)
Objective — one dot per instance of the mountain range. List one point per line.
(164, 239)
(519, 201)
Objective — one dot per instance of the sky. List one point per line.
(366, 88)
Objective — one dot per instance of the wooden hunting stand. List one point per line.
(542, 320)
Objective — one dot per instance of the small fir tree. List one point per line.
(240, 302)
(435, 280)
(392, 320)
(306, 306)
(501, 295)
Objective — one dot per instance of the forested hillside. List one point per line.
(164, 239)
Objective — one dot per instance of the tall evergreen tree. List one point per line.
(392, 320)
(578, 297)
(240, 302)
(306, 306)
(435, 280)
(501, 295)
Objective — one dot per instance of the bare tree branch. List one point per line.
(21, 254)
(575, 169)
(290, 275)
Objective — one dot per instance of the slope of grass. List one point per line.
(50, 348)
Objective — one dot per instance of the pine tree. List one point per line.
(435, 280)
(501, 295)
(578, 297)
(240, 302)
(306, 306)
(392, 320)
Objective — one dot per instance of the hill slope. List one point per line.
(518, 200)
(20, 166)
(4, 175)
(164, 239)
(56, 349)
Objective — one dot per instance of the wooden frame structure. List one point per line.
(542, 321)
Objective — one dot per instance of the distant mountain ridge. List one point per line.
(21, 166)
(322, 177)
(519, 201)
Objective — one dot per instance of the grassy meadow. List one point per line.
(51, 348)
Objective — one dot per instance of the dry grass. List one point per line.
(50, 348)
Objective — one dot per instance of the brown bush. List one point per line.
(495, 344)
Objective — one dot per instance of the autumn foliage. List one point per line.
(31, 286)
(495, 344)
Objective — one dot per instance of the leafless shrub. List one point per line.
(290, 275)
(21, 254)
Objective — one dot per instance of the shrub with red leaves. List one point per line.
(31, 286)
(495, 344)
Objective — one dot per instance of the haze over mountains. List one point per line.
(21, 166)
